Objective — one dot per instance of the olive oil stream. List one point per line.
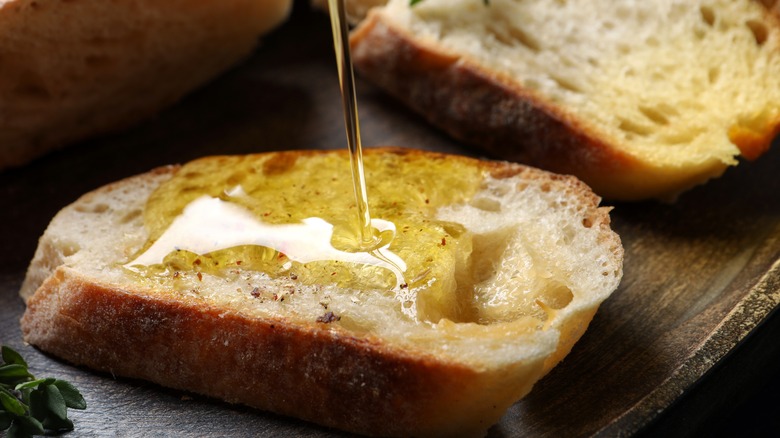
(339, 27)
(367, 239)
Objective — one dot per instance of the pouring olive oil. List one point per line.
(370, 238)
(339, 27)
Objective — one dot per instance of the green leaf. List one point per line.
(55, 402)
(14, 370)
(72, 396)
(29, 425)
(31, 384)
(38, 408)
(49, 400)
(10, 356)
(11, 404)
(48, 406)
(58, 424)
(25, 395)
(56, 409)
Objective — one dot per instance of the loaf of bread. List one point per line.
(74, 69)
(503, 266)
(641, 99)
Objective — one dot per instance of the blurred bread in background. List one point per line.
(73, 69)
(638, 99)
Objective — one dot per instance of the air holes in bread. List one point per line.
(68, 248)
(453, 229)
(510, 35)
(633, 128)
(760, 32)
(192, 174)
(567, 84)
(587, 222)
(486, 204)
(557, 296)
(524, 38)
(652, 42)
(654, 114)
(92, 208)
(713, 74)
(707, 15)
(130, 216)
(568, 234)
(606, 273)
(680, 137)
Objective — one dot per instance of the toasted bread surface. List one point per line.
(634, 106)
(542, 259)
(73, 69)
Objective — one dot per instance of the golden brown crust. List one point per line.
(313, 373)
(484, 108)
(752, 142)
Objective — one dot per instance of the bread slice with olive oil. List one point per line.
(639, 99)
(505, 266)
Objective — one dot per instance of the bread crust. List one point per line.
(484, 108)
(73, 69)
(315, 371)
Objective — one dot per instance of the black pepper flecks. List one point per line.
(328, 318)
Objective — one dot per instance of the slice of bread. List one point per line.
(505, 267)
(74, 69)
(642, 99)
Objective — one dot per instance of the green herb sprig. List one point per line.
(30, 406)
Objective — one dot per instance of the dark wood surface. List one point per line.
(686, 346)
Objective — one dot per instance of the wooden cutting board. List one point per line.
(700, 274)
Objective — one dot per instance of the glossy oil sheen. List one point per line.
(287, 188)
(411, 253)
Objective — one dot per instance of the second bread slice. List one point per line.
(641, 99)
